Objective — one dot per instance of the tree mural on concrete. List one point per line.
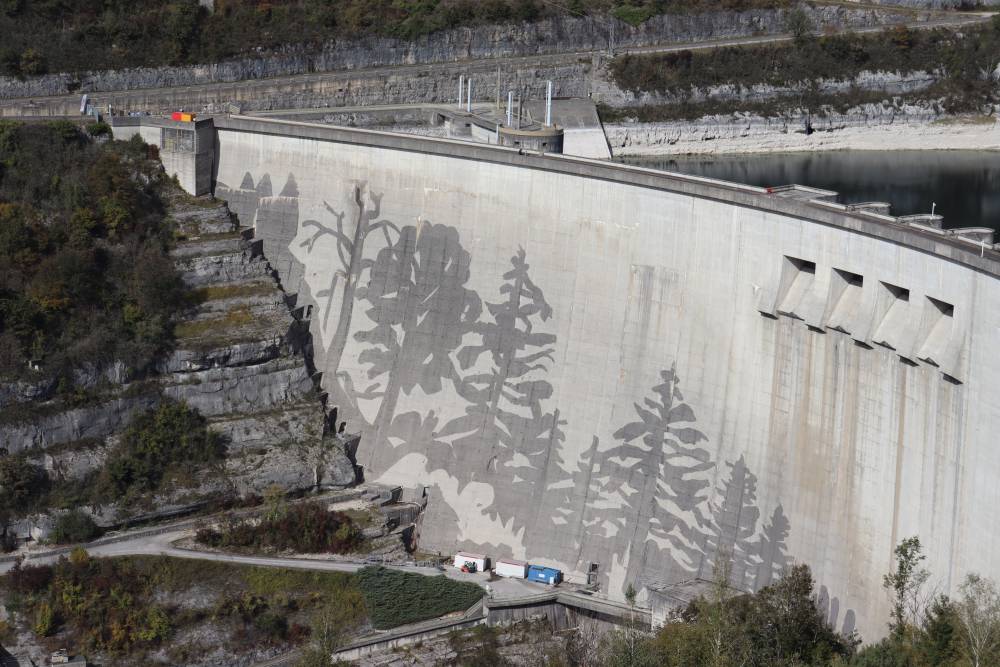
(734, 523)
(647, 501)
(505, 423)
(350, 246)
(421, 309)
(771, 549)
(659, 473)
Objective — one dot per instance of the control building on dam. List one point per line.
(631, 374)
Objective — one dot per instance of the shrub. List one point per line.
(631, 14)
(75, 526)
(44, 620)
(22, 483)
(99, 129)
(304, 528)
(169, 438)
(395, 598)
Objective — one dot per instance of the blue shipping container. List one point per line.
(545, 575)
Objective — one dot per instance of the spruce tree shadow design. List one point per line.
(659, 473)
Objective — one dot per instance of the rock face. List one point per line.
(605, 90)
(240, 360)
(713, 133)
(555, 35)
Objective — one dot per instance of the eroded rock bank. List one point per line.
(870, 127)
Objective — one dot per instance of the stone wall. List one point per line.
(591, 364)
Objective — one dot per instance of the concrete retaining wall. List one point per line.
(587, 363)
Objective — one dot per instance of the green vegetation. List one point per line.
(163, 446)
(218, 292)
(963, 60)
(22, 484)
(302, 528)
(73, 527)
(127, 607)
(781, 626)
(396, 598)
(87, 279)
(55, 36)
(171, 440)
(234, 318)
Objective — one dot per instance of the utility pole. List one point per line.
(548, 105)
(510, 106)
(498, 88)
(468, 97)
(461, 85)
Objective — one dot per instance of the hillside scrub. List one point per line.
(87, 281)
(396, 598)
(126, 608)
(43, 36)
(302, 528)
(166, 446)
(964, 63)
(171, 439)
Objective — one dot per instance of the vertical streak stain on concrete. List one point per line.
(900, 443)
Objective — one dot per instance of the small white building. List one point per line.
(515, 569)
(462, 558)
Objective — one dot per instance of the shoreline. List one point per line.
(664, 139)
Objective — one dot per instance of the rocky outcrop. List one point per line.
(240, 360)
(560, 34)
(730, 133)
(605, 90)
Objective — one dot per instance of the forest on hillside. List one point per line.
(41, 36)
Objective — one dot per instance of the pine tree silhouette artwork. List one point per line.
(734, 524)
(513, 435)
(659, 473)
(772, 550)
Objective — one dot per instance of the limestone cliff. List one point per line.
(560, 34)
(241, 359)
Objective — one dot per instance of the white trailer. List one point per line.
(462, 558)
(516, 569)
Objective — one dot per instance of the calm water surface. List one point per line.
(964, 184)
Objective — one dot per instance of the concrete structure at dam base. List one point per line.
(629, 374)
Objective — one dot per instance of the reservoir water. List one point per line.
(965, 185)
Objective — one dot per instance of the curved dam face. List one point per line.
(613, 371)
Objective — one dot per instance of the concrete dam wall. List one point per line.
(591, 365)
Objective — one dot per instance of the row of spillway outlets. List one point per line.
(887, 315)
(505, 567)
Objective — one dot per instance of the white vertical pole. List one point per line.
(510, 106)
(468, 97)
(461, 85)
(548, 105)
